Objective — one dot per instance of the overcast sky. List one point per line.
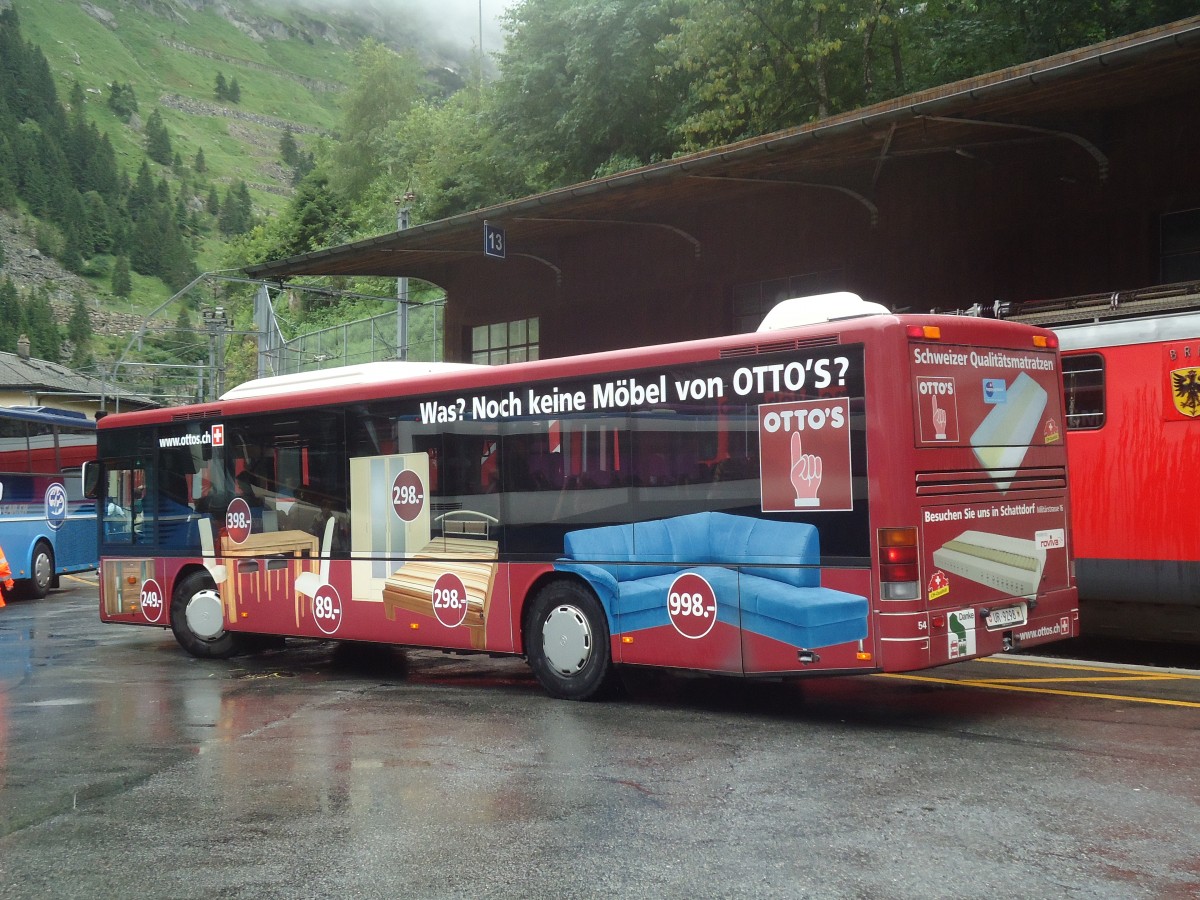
(455, 21)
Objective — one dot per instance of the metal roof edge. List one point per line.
(931, 100)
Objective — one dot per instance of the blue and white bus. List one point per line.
(47, 526)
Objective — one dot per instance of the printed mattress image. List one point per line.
(766, 575)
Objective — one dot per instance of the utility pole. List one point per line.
(215, 323)
(402, 211)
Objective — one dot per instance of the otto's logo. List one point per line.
(1185, 391)
(56, 506)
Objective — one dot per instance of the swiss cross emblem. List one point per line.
(218, 435)
(939, 585)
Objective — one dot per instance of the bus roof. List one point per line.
(331, 387)
(48, 415)
(341, 377)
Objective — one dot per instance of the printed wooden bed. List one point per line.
(410, 587)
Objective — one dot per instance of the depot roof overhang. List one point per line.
(1049, 100)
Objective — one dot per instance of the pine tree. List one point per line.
(78, 98)
(79, 333)
(122, 100)
(158, 140)
(199, 165)
(74, 245)
(181, 212)
(246, 204)
(288, 151)
(237, 210)
(187, 344)
(45, 340)
(98, 224)
(235, 92)
(146, 243)
(10, 314)
(214, 201)
(122, 285)
(10, 174)
(141, 193)
(221, 91)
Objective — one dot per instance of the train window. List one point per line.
(1083, 381)
(1179, 238)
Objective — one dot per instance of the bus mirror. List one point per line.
(91, 479)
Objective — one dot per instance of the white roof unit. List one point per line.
(340, 376)
(819, 308)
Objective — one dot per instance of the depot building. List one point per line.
(1069, 176)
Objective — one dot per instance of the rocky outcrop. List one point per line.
(31, 270)
(312, 84)
(203, 108)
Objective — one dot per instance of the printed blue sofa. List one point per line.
(766, 575)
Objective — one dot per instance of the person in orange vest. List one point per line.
(5, 575)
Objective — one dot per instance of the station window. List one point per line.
(505, 342)
(1083, 382)
(753, 300)
(1180, 242)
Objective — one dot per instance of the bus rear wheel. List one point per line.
(41, 572)
(198, 619)
(567, 643)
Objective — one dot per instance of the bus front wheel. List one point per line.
(41, 571)
(567, 643)
(198, 619)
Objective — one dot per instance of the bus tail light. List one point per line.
(1049, 341)
(899, 572)
(925, 332)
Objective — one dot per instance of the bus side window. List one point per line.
(125, 488)
(1083, 384)
(14, 446)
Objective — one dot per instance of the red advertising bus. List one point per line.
(844, 491)
(1131, 368)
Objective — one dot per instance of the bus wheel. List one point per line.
(198, 619)
(566, 643)
(41, 571)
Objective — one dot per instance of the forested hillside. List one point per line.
(144, 141)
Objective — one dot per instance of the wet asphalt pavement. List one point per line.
(128, 769)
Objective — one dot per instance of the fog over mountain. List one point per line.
(460, 23)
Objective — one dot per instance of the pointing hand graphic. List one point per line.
(805, 474)
(939, 421)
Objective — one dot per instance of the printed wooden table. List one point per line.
(299, 545)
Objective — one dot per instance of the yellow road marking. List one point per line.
(77, 578)
(1075, 680)
(1075, 667)
(996, 686)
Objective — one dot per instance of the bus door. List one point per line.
(283, 518)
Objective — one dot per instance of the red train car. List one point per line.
(1131, 371)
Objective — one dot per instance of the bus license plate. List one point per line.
(1008, 615)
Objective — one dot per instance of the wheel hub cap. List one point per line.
(567, 640)
(205, 615)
